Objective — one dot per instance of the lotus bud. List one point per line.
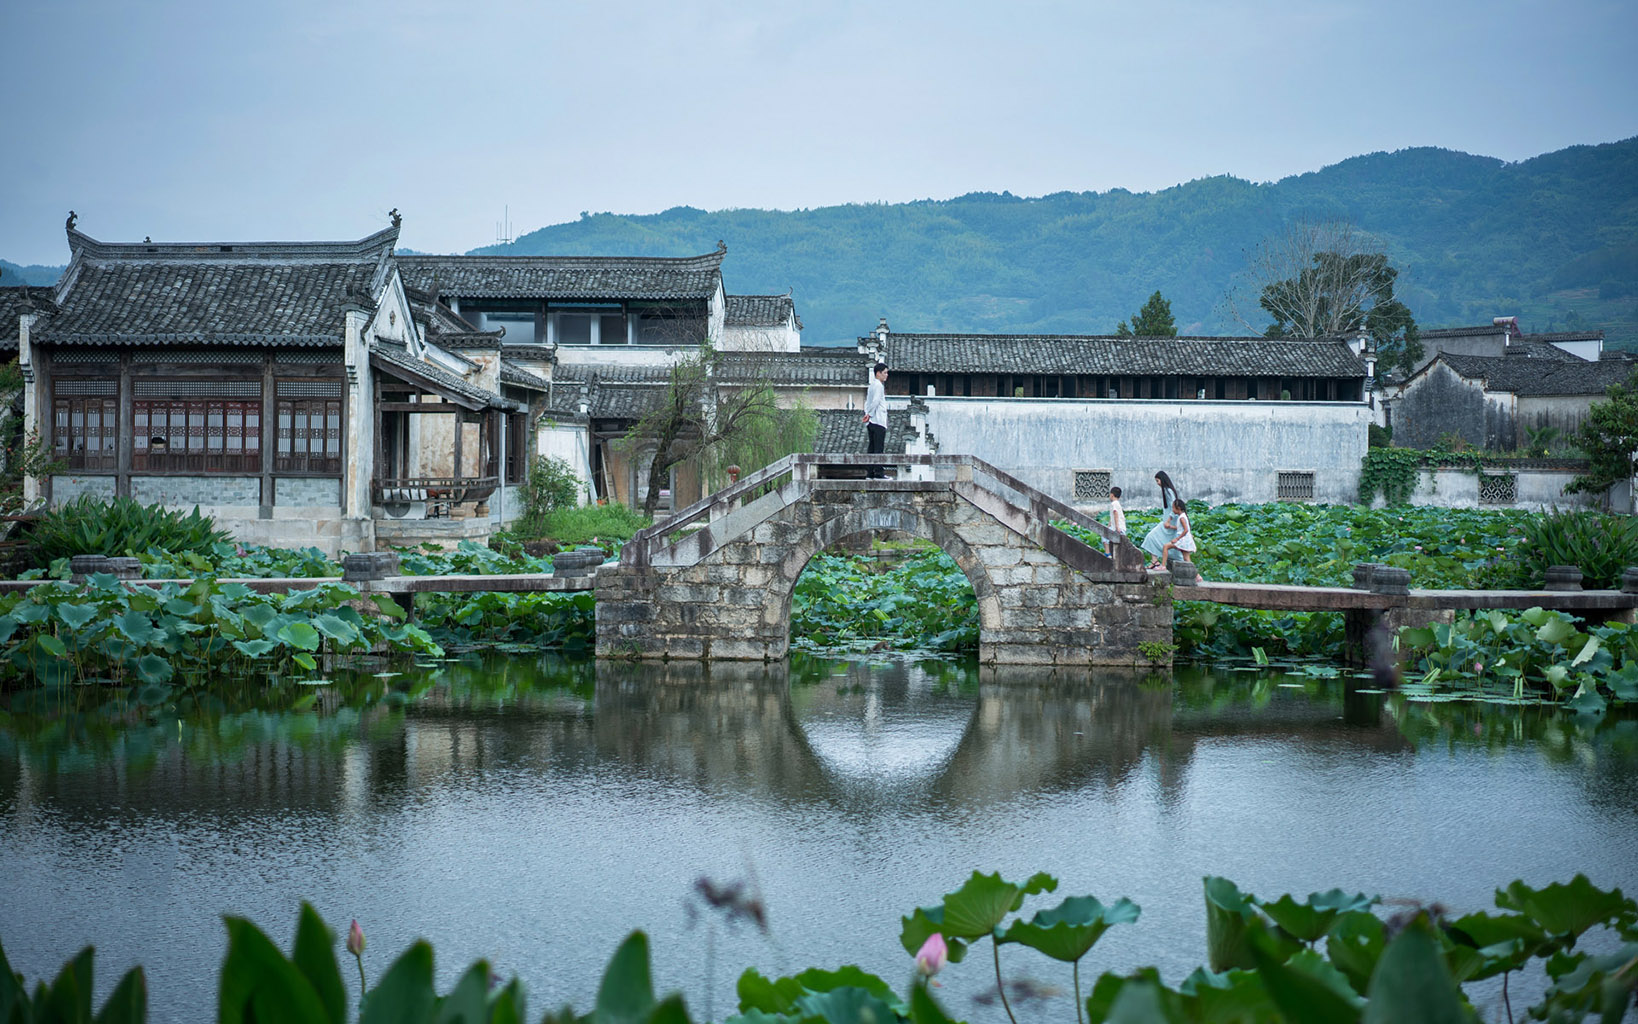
(355, 940)
(933, 955)
(1478, 668)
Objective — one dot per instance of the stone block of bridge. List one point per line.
(724, 591)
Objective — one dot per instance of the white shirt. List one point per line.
(1117, 516)
(876, 402)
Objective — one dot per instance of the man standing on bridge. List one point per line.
(875, 416)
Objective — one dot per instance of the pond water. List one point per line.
(534, 811)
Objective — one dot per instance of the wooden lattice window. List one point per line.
(196, 435)
(309, 438)
(85, 424)
(1294, 486)
(1092, 484)
(1498, 489)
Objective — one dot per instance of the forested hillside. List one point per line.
(1552, 239)
(11, 274)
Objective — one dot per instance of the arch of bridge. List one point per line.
(911, 519)
(729, 597)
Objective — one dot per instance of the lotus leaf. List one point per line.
(258, 983)
(845, 1006)
(1305, 987)
(1355, 944)
(1567, 909)
(1069, 930)
(1555, 631)
(151, 668)
(1311, 919)
(626, 995)
(924, 1009)
(300, 635)
(1412, 983)
(75, 616)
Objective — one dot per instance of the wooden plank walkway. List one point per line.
(517, 583)
(1285, 597)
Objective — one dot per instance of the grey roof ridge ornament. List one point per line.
(379, 246)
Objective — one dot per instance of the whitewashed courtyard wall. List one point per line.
(1216, 451)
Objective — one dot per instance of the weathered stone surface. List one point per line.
(731, 599)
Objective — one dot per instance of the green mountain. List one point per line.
(12, 275)
(1553, 240)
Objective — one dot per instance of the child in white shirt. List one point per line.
(1117, 513)
(1184, 541)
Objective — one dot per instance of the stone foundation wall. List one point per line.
(1034, 609)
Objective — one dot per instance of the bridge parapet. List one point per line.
(715, 580)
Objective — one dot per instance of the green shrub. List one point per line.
(551, 485)
(1378, 436)
(1599, 544)
(90, 526)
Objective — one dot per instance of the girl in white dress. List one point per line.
(1184, 541)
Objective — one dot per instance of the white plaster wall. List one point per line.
(785, 338)
(1536, 490)
(622, 355)
(1588, 349)
(567, 441)
(1216, 451)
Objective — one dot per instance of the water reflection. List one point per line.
(534, 810)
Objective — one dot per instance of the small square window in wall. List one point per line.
(1498, 489)
(1294, 486)
(1092, 484)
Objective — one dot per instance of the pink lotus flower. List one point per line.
(355, 939)
(1478, 668)
(933, 955)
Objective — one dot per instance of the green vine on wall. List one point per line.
(1393, 472)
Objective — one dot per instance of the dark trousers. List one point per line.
(878, 445)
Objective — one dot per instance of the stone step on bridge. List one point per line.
(715, 580)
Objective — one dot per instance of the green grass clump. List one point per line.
(606, 526)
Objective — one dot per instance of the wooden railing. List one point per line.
(436, 488)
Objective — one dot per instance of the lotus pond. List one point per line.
(535, 810)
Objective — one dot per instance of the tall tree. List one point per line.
(1609, 436)
(1154, 320)
(694, 415)
(1320, 279)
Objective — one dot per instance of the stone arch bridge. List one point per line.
(715, 580)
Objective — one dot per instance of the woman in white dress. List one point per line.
(1165, 531)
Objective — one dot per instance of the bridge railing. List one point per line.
(644, 542)
(808, 468)
(1126, 556)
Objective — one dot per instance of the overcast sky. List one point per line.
(191, 120)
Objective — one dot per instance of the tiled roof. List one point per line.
(581, 373)
(512, 373)
(14, 301)
(1530, 376)
(565, 277)
(464, 392)
(1476, 331)
(263, 293)
(1044, 353)
(622, 401)
(843, 367)
(842, 432)
(447, 328)
(760, 311)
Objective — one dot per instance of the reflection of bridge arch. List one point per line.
(714, 581)
(725, 727)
